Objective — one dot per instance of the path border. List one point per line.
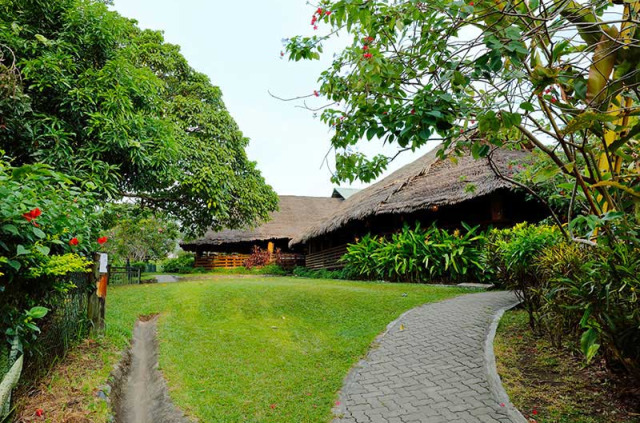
(495, 383)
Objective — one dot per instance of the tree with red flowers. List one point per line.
(552, 76)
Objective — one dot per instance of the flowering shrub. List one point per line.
(48, 223)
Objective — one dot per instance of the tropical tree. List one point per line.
(557, 76)
(115, 106)
(142, 237)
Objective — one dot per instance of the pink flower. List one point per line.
(337, 403)
(502, 404)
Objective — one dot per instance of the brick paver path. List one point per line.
(430, 367)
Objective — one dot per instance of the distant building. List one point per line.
(230, 248)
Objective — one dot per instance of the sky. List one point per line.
(238, 44)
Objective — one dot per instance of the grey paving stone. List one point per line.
(432, 371)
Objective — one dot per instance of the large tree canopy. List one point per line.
(120, 109)
(559, 76)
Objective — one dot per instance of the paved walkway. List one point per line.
(430, 367)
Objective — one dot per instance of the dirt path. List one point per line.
(139, 392)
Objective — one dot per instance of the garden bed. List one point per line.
(553, 384)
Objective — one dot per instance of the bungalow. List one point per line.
(230, 248)
(428, 190)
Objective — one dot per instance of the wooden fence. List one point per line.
(327, 259)
(213, 261)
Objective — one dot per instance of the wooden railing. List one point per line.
(327, 259)
(222, 260)
(287, 260)
(290, 260)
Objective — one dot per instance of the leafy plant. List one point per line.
(258, 258)
(418, 255)
(511, 257)
(48, 224)
(182, 264)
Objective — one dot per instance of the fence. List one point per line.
(63, 326)
(124, 275)
(210, 262)
(327, 259)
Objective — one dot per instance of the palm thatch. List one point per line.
(294, 215)
(425, 183)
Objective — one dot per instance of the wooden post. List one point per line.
(270, 251)
(97, 299)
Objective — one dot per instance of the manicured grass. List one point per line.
(262, 349)
(553, 385)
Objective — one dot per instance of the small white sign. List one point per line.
(103, 262)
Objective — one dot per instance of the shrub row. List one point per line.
(584, 295)
(576, 293)
(418, 255)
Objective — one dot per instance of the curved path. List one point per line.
(432, 365)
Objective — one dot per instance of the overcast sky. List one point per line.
(238, 44)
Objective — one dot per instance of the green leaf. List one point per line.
(42, 39)
(38, 312)
(44, 250)
(38, 232)
(588, 344)
(12, 229)
(527, 106)
(20, 250)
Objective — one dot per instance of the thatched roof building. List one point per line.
(294, 215)
(429, 189)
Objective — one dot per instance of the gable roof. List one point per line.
(426, 182)
(294, 215)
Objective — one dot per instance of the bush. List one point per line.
(139, 265)
(600, 293)
(304, 272)
(182, 264)
(274, 269)
(418, 255)
(258, 258)
(511, 257)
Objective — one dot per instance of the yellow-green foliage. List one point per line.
(61, 265)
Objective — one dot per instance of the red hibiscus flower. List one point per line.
(73, 241)
(33, 214)
(102, 240)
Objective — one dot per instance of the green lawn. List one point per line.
(262, 349)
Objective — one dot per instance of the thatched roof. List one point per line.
(424, 183)
(294, 215)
